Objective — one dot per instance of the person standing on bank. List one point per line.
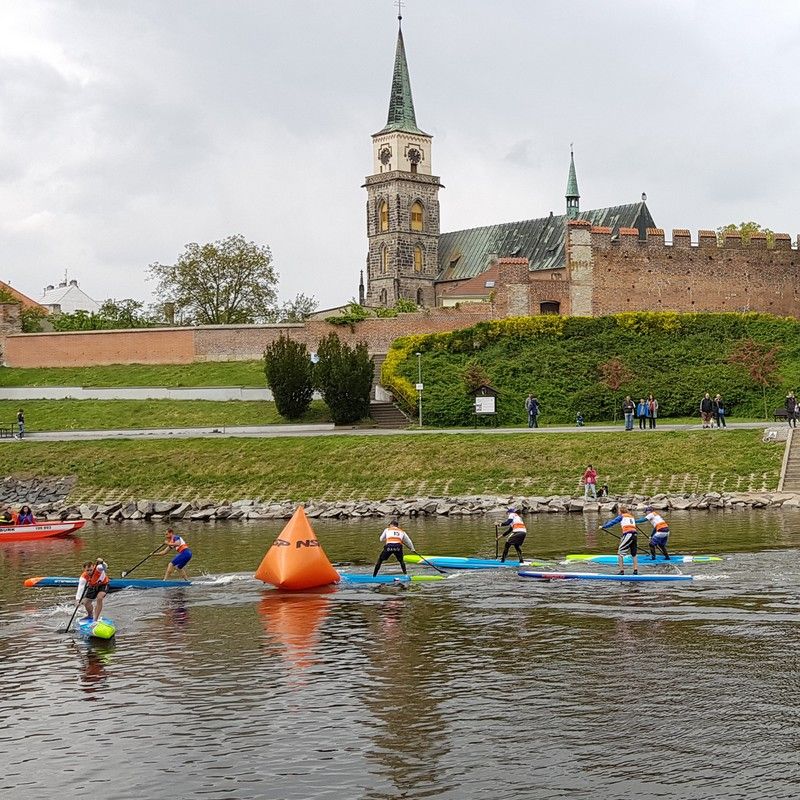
(532, 407)
(652, 410)
(641, 413)
(628, 408)
(20, 424)
(590, 482)
(517, 530)
(183, 555)
(706, 408)
(791, 409)
(393, 538)
(718, 410)
(627, 542)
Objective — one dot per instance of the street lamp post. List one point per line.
(419, 386)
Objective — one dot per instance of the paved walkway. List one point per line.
(273, 431)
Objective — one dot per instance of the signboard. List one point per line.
(419, 387)
(485, 405)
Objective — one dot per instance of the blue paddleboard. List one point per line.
(102, 628)
(601, 576)
(644, 559)
(114, 585)
(354, 578)
(457, 562)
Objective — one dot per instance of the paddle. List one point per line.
(80, 600)
(149, 555)
(425, 560)
(496, 541)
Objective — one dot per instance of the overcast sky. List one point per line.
(128, 129)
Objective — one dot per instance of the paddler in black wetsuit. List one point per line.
(517, 530)
(393, 538)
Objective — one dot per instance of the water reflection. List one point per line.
(95, 658)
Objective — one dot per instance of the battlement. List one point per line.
(603, 238)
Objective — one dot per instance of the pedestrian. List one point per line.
(641, 413)
(532, 407)
(93, 587)
(627, 542)
(20, 424)
(628, 409)
(652, 410)
(183, 555)
(791, 409)
(516, 527)
(718, 411)
(589, 482)
(706, 407)
(660, 535)
(393, 538)
(579, 419)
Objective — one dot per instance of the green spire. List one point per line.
(573, 195)
(401, 104)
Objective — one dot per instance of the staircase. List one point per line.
(388, 415)
(377, 360)
(790, 473)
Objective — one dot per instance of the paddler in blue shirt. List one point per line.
(393, 538)
(660, 535)
(183, 555)
(627, 542)
(517, 530)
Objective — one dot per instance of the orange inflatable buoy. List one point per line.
(296, 559)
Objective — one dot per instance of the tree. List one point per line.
(289, 372)
(297, 310)
(746, 229)
(113, 314)
(614, 375)
(30, 318)
(760, 362)
(474, 376)
(231, 281)
(344, 377)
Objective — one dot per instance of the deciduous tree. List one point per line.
(760, 361)
(746, 230)
(614, 374)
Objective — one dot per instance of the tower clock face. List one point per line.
(414, 155)
(385, 155)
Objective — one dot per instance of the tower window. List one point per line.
(416, 216)
(551, 307)
(384, 259)
(418, 259)
(384, 216)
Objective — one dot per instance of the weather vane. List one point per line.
(400, 4)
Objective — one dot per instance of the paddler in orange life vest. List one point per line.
(627, 542)
(93, 587)
(517, 530)
(393, 538)
(183, 555)
(660, 535)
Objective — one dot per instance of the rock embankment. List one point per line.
(209, 511)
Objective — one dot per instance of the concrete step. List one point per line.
(388, 415)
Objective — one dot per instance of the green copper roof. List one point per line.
(401, 104)
(572, 181)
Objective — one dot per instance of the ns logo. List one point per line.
(298, 544)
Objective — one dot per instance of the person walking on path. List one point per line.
(93, 587)
(652, 410)
(641, 413)
(532, 409)
(718, 410)
(791, 409)
(393, 538)
(516, 527)
(627, 542)
(20, 424)
(706, 408)
(183, 555)
(590, 483)
(628, 409)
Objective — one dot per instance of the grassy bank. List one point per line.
(374, 467)
(78, 415)
(210, 373)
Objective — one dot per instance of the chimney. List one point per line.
(73, 282)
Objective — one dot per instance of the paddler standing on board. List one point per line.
(183, 555)
(627, 542)
(660, 535)
(93, 587)
(516, 532)
(393, 538)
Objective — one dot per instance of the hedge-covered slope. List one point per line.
(677, 357)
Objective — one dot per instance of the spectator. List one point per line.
(25, 516)
(706, 407)
(20, 424)
(641, 413)
(590, 482)
(718, 411)
(579, 419)
(603, 490)
(628, 407)
(652, 410)
(532, 407)
(791, 409)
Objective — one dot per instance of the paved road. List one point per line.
(272, 431)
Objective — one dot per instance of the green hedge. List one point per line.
(677, 357)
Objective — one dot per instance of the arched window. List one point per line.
(383, 297)
(384, 259)
(419, 261)
(552, 307)
(419, 297)
(416, 216)
(384, 216)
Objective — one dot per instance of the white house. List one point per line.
(67, 298)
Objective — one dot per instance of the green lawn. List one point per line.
(75, 415)
(208, 373)
(375, 467)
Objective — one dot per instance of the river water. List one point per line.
(481, 686)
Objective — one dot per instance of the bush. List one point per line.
(344, 377)
(289, 372)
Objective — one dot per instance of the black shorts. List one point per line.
(93, 591)
(516, 538)
(628, 545)
(393, 549)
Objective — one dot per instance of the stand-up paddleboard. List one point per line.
(114, 585)
(353, 578)
(600, 576)
(643, 559)
(95, 628)
(457, 562)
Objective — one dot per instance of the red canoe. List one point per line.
(43, 530)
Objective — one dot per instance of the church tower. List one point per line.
(402, 202)
(573, 195)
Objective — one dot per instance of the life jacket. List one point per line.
(14, 518)
(628, 523)
(394, 535)
(177, 543)
(658, 522)
(95, 577)
(517, 525)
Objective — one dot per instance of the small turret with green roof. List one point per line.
(573, 195)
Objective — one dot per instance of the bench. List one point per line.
(6, 431)
(781, 414)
